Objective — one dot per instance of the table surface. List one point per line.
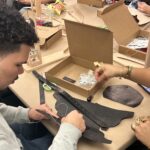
(27, 89)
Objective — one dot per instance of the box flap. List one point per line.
(97, 3)
(119, 20)
(46, 33)
(89, 42)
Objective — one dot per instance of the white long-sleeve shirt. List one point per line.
(66, 138)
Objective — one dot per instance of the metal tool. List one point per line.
(42, 87)
(50, 117)
(42, 94)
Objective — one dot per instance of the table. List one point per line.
(26, 88)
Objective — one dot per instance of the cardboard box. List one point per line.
(48, 36)
(119, 20)
(95, 3)
(86, 45)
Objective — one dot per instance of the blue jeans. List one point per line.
(34, 136)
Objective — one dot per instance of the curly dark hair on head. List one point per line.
(14, 31)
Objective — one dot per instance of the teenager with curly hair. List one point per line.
(17, 132)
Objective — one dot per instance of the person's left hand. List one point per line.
(142, 132)
(34, 115)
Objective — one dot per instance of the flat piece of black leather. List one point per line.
(123, 94)
(111, 117)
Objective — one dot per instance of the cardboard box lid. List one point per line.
(45, 33)
(98, 3)
(89, 42)
(119, 20)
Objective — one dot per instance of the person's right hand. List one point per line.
(75, 118)
(108, 71)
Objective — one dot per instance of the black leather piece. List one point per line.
(123, 94)
(111, 117)
(95, 135)
(92, 131)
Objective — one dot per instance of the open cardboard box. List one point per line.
(86, 45)
(119, 20)
(47, 35)
(95, 3)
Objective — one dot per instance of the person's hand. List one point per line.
(75, 118)
(143, 7)
(108, 71)
(142, 132)
(35, 115)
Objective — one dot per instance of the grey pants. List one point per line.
(34, 136)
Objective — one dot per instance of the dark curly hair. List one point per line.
(14, 31)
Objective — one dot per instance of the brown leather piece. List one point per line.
(123, 94)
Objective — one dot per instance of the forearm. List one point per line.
(66, 138)
(141, 76)
(14, 114)
(138, 75)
